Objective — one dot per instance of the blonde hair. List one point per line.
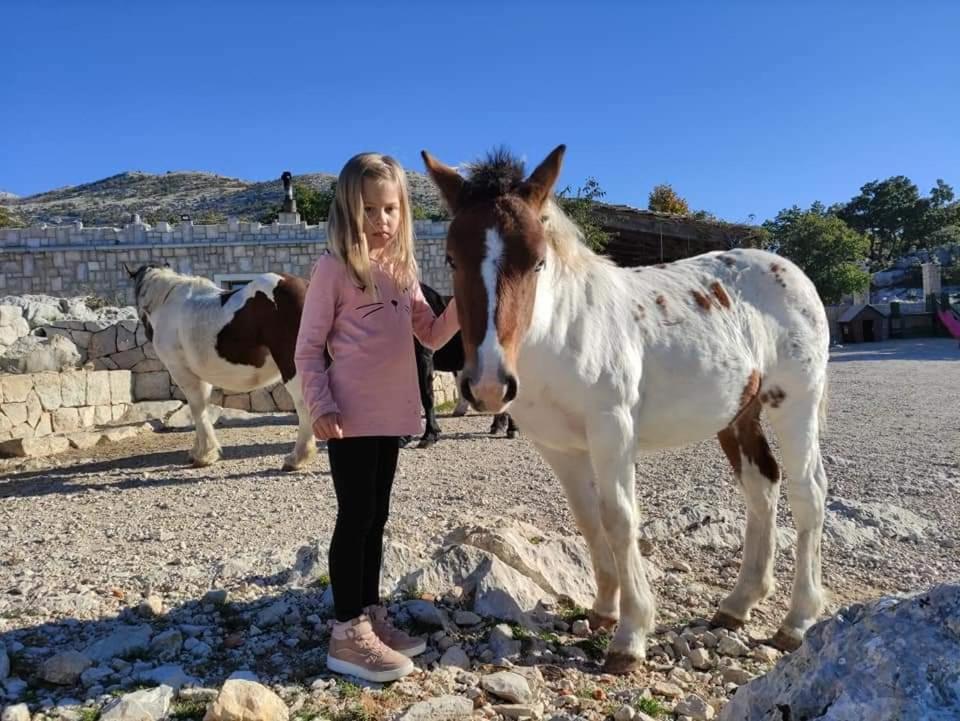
(345, 235)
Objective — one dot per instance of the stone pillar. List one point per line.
(931, 279)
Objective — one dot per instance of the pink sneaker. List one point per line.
(355, 650)
(391, 635)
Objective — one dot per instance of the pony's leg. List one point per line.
(512, 429)
(612, 450)
(462, 405)
(425, 374)
(306, 446)
(206, 450)
(498, 423)
(575, 473)
(759, 479)
(796, 423)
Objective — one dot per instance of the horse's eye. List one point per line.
(540, 266)
(450, 262)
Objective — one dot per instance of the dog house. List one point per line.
(864, 323)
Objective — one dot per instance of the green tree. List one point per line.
(664, 199)
(895, 217)
(581, 209)
(826, 249)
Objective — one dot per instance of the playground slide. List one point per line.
(950, 321)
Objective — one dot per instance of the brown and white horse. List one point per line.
(238, 340)
(598, 363)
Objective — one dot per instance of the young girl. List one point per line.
(364, 306)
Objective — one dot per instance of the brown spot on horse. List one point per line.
(744, 439)
(701, 300)
(720, 294)
(662, 303)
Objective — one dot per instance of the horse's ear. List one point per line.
(538, 187)
(131, 273)
(447, 179)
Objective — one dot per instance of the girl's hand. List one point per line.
(327, 427)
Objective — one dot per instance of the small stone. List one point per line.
(666, 689)
(732, 646)
(694, 707)
(624, 713)
(700, 659)
(767, 654)
(151, 607)
(4, 659)
(455, 657)
(166, 646)
(466, 618)
(65, 668)
(216, 596)
(509, 686)
(581, 628)
(241, 700)
(442, 708)
(502, 643)
(520, 711)
(681, 566)
(736, 675)
(19, 712)
(426, 613)
(272, 614)
(94, 675)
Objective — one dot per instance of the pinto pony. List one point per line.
(598, 362)
(238, 340)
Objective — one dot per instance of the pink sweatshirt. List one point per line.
(372, 382)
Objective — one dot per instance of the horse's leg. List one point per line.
(612, 451)
(431, 431)
(512, 429)
(575, 473)
(759, 478)
(306, 446)
(462, 405)
(206, 450)
(498, 423)
(796, 423)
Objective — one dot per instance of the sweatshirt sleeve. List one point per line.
(434, 332)
(316, 324)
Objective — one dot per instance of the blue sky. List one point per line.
(744, 108)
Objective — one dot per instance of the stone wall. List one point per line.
(34, 405)
(124, 346)
(74, 260)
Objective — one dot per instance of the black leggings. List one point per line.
(362, 470)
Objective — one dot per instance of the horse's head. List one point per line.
(139, 278)
(496, 245)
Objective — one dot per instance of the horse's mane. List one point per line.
(501, 173)
(154, 285)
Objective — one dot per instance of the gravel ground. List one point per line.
(118, 517)
(91, 532)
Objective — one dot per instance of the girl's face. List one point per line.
(381, 212)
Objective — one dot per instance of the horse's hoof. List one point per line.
(405, 441)
(783, 641)
(511, 434)
(204, 462)
(725, 620)
(620, 664)
(457, 413)
(601, 623)
(427, 442)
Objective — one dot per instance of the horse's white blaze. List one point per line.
(490, 352)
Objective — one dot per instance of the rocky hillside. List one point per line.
(206, 197)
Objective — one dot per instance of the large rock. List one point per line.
(153, 386)
(127, 641)
(889, 660)
(146, 705)
(509, 686)
(18, 712)
(889, 520)
(33, 354)
(34, 447)
(242, 700)
(559, 565)
(40, 310)
(162, 411)
(64, 669)
(4, 662)
(707, 527)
